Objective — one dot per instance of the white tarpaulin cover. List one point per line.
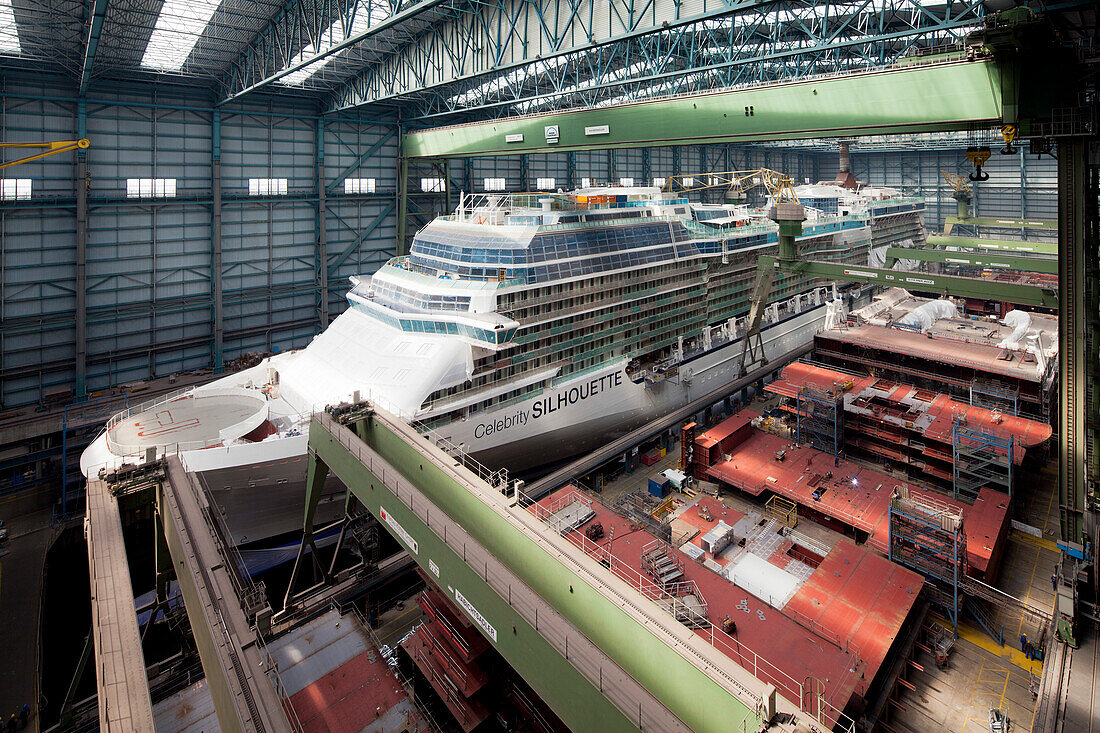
(1019, 321)
(767, 582)
(925, 315)
(396, 369)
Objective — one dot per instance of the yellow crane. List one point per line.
(778, 185)
(47, 148)
(961, 191)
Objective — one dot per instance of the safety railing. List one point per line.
(624, 700)
(271, 669)
(736, 650)
(242, 427)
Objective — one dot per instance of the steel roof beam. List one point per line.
(268, 57)
(504, 34)
(507, 35)
(95, 27)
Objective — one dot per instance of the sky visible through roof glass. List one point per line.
(178, 28)
(367, 13)
(9, 34)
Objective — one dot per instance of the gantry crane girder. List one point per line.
(991, 261)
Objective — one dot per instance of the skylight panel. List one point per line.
(178, 28)
(9, 32)
(367, 13)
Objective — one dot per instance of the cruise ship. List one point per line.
(523, 329)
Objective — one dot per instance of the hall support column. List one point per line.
(82, 182)
(217, 351)
(322, 226)
(1071, 338)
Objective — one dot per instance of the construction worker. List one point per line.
(24, 716)
(1023, 643)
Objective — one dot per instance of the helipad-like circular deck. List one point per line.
(191, 421)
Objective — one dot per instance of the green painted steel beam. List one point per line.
(996, 223)
(963, 287)
(936, 97)
(992, 261)
(684, 688)
(1003, 245)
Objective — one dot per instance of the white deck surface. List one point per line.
(186, 420)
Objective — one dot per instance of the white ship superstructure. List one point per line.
(523, 328)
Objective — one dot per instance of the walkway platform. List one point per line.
(124, 702)
(237, 666)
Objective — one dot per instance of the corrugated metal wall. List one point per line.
(1019, 185)
(149, 291)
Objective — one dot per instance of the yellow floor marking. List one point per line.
(981, 639)
(1028, 539)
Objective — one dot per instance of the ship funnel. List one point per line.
(844, 175)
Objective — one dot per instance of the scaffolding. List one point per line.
(980, 460)
(994, 396)
(927, 535)
(782, 510)
(821, 417)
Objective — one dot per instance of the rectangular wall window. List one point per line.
(147, 188)
(545, 184)
(267, 187)
(431, 185)
(495, 184)
(626, 182)
(659, 182)
(586, 182)
(15, 188)
(359, 185)
(687, 181)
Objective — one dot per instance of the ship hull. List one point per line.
(596, 408)
(265, 498)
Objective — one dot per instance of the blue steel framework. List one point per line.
(148, 302)
(513, 56)
(932, 542)
(980, 460)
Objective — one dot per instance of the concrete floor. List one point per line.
(958, 699)
(21, 570)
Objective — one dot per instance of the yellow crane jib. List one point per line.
(48, 148)
(778, 185)
(978, 156)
